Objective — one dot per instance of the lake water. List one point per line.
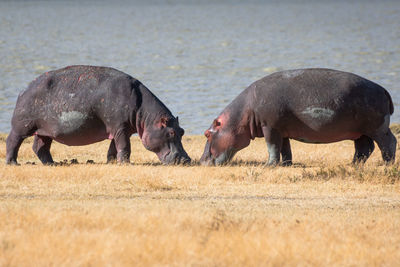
(196, 56)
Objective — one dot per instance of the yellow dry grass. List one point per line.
(321, 211)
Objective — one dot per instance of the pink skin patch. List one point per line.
(110, 136)
(223, 143)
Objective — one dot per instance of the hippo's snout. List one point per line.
(175, 155)
(207, 159)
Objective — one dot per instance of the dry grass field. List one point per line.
(321, 211)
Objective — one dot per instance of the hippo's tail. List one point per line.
(390, 102)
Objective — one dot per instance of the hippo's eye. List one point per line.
(216, 123)
(171, 134)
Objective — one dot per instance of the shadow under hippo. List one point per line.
(81, 105)
(308, 105)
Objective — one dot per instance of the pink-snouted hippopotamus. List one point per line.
(308, 105)
(80, 105)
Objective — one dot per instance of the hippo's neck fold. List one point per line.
(242, 117)
(149, 109)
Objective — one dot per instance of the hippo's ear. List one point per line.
(177, 120)
(163, 122)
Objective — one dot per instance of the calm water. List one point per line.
(197, 56)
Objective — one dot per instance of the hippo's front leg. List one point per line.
(122, 145)
(274, 143)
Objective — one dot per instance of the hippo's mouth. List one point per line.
(165, 156)
(208, 159)
(174, 156)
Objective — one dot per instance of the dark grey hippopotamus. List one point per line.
(309, 105)
(81, 105)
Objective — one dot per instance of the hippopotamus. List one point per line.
(80, 105)
(308, 105)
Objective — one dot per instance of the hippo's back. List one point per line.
(323, 87)
(74, 87)
(73, 78)
(315, 101)
(74, 100)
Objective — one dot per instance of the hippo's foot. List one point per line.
(274, 157)
(272, 163)
(364, 147)
(286, 163)
(12, 162)
(123, 159)
(111, 160)
(277, 163)
(121, 163)
(387, 144)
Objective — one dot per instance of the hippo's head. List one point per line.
(164, 138)
(224, 139)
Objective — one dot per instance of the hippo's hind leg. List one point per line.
(41, 147)
(286, 152)
(386, 141)
(387, 144)
(364, 147)
(274, 143)
(13, 143)
(112, 152)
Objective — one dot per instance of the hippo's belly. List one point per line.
(323, 125)
(325, 138)
(74, 129)
(324, 134)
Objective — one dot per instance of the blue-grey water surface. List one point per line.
(196, 56)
